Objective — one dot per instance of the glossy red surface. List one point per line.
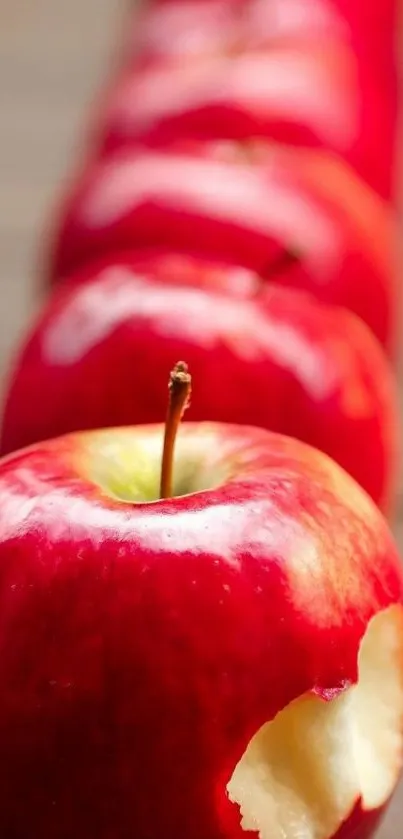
(311, 92)
(100, 353)
(201, 30)
(241, 204)
(373, 32)
(360, 825)
(143, 645)
(167, 28)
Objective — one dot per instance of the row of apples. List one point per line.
(234, 206)
(221, 658)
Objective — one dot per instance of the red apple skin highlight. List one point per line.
(273, 357)
(162, 30)
(144, 644)
(349, 104)
(221, 96)
(242, 205)
(335, 103)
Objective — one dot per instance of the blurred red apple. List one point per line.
(291, 93)
(243, 204)
(185, 29)
(274, 358)
(232, 655)
(285, 93)
(373, 28)
(299, 92)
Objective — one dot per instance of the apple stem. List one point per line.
(179, 387)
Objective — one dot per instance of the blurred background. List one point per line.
(54, 55)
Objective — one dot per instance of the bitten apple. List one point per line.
(243, 204)
(263, 355)
(229, 659)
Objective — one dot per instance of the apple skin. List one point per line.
(243, 205)
(221, 96)
(137, 638)
(357, 81)
(187, 28)
(314, 93)
(354, 829)
(373, 33)
(273, 357)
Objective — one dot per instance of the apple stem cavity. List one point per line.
(284, 260)
(179, 387)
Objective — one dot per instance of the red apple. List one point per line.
(373, 31)
(203, 29)
(186, 29)
(183, 29)
(294, 93)
(277, 359)
(230, 655)
(243, 204)
(282, 91)
(305, 92)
